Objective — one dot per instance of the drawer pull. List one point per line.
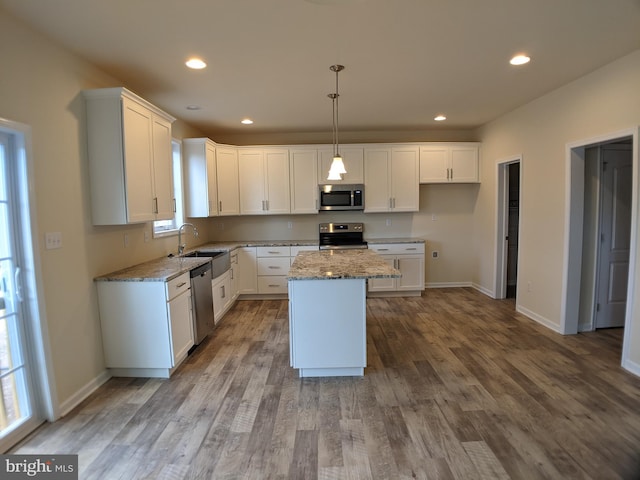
(271, 252)
(274, 286)
(411, 248)
(382, 249)
(181, 284)
(273, 267)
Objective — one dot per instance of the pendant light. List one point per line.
(337, 165)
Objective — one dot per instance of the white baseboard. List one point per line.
(486, 291)
(631, 367)
(447, 284)
(539, 319)
(90, 387)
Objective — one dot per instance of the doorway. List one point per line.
(578, 290)
(25, 396)
(509, 179)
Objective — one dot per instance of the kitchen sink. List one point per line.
(220, 261)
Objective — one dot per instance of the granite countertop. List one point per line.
(159, 270)
(167, 268)
(232, 245)
(337, 264)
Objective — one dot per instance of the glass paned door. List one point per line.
(15, 398)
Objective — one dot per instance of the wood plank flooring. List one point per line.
(458, 386)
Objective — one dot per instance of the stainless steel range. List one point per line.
(337, 236)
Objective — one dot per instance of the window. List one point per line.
(164, 228)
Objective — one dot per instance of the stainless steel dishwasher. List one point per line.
(202, 301)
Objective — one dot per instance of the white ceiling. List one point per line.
(406, 60)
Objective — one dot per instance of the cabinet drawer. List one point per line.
(273, 251)
(398, 248)
(273, 266)
(272, 284)
(178, 285)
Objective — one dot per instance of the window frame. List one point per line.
(169, 228)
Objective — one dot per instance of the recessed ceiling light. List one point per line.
(195, 63)
(193, 107)
(246, 121)
(439, 118)
(519, 60)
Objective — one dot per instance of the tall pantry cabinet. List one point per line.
(130, 159)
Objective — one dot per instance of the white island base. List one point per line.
(327, 322)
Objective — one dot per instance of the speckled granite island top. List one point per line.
(160, 270)
(336, 264)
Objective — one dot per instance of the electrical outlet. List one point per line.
(125, 240)
(146, 236)
(434, 217)
(53, 240)
(435, 254)
(289, 224)
(529, 287)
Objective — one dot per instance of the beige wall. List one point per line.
(40, 86)
(450, 233)
(607, 100)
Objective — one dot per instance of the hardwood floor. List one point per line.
(458, 386)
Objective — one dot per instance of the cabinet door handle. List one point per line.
(155, 204)
(175, 209)
(224, 294)
(452, 174)
(220, 205)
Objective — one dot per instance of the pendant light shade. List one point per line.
(337, 165)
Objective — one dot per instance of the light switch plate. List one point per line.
(53, 240)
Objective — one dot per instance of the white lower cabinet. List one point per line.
(235, 275)
(222, 295)
(263, 270)
(147, 327)
(406, 257)
(273, 265)
(248, 271)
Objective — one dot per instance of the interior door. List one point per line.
(615, 229)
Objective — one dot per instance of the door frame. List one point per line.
(574, 212)
(502, 202)
(37, 346)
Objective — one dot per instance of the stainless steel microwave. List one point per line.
(341, 197)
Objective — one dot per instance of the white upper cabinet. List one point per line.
(391, 179)
(353, 159)
(228, 183)
(130, 160)
(199, 156)
(264, 181)
(449, 163)
(303, 172)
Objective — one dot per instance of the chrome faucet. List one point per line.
(182, 246)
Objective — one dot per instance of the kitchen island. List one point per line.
(327, 310)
